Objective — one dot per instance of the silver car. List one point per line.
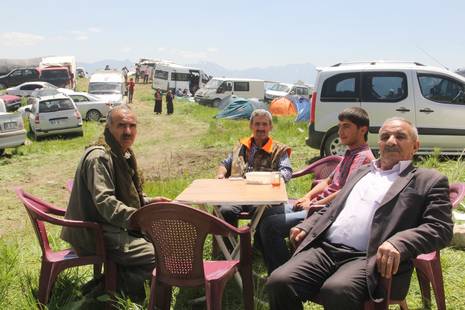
(12, 133)
(91, 107)
(54, 115)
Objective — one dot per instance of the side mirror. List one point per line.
(220, 90)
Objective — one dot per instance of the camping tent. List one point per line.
(291, 105)
(282, 106)
(238, 108)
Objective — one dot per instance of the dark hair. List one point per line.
(356, 115)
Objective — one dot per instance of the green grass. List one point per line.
(172, 151)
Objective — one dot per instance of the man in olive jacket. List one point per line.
(385, 215)
(107, 189)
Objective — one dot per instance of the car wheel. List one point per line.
(333, 145)
(2, 151)
(93, 115)
(216, 103)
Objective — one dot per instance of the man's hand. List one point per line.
(296, 235)
(387, 260)
(159, 199)
(304, 204)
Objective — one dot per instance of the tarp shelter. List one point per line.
(240, 108)
(291, 105)
(6, 65)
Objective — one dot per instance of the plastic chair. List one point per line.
(178, 233)
(322, 168)
(53, 262)
(428, 268)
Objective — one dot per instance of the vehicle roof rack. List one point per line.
(377, 62)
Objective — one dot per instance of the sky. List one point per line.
(237, 34)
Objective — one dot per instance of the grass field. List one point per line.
(172, 151)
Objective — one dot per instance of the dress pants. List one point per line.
(333, 274)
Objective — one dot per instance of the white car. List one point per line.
(12, 133)
(432, 98)
(283, 89)
(54, 115)
(91, 107)
(27, 88)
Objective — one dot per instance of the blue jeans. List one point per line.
(273, 230)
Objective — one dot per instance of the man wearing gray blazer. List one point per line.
(385, 215)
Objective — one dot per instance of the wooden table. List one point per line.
(217, 192)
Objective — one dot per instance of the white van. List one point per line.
(218, 88)
(432, 98)
(108, 85)
(172, 76)
(283, 89)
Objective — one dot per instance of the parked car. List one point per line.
(12, 133)
(53, 115)
(12, 103)
(58, 76)
(283, 89)
(108, 85)
(432, 98)
(27, 88)
(91, 107)
(18, 76)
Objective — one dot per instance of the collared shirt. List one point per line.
(352, 226)
(353, 159)
(285, 167)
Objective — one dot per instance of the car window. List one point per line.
(78, 98)
(441, 89)
(301, 91)
(341, 87)
(29, 73)
(384, 86)
(241, 86)
(160, 74)
(16, 73)
(31, 87)
(55, 105)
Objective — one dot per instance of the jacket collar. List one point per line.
(247, 142)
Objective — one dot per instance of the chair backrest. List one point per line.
(456, 193)
(38, 212)
(178, 233)
(322, 168)
(325, 166)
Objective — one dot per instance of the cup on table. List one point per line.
(275, 179)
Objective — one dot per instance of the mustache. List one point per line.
(126, 136)
(388, 148)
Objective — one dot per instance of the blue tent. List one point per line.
(302, 105)
(240, 108)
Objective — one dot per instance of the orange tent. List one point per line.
(282, 106)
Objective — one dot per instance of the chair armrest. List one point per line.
(99, 242)
(307, 170)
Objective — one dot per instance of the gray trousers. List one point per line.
(336, 274)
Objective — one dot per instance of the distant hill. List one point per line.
(286, 73)
(100, 65)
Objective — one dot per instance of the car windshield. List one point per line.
(54, 74)
(104, 88)
(280, 87)
(214, 84)
(55, 105)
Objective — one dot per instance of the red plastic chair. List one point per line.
(178, 233)
(53, 262)
(428, 268)
(322, 168)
